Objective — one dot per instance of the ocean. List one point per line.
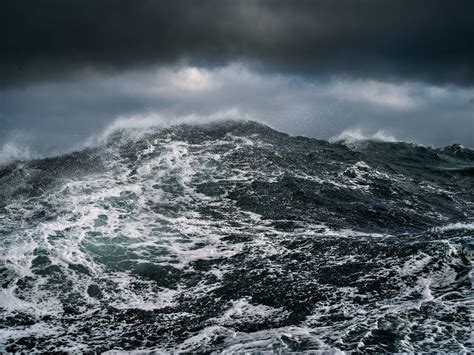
(233, 237)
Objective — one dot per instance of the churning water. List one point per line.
(234, 237)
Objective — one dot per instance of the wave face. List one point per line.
(234, 237)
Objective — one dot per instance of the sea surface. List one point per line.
(233, 237)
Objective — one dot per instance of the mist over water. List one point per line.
(232, 236)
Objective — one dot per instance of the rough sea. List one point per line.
(233, 237)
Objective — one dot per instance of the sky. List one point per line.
(395, 70)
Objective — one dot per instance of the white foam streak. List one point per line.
(10, 302)
(455, 226)
(18, 257)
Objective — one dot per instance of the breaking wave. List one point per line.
(357, 135)
(11, 151)
(233, 237)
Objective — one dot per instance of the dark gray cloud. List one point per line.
(349, 68)
(429, 41)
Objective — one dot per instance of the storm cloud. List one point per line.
(400, 70)
(414, 40)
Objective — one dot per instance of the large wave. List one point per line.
(231, 236)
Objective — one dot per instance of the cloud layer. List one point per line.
(405, 40)
(323, 68)
(61, 115)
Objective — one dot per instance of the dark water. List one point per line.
(235, 237)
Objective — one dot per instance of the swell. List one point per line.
(335, 181)
(234, 237)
